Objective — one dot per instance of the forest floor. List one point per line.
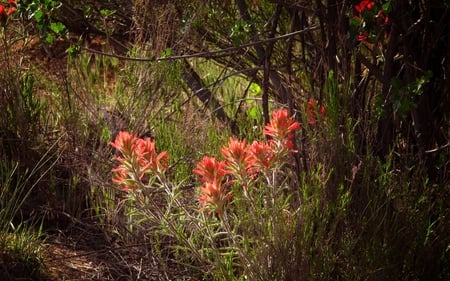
(77, 253)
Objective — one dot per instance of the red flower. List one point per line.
(148, 158)
(237, 157)
(121, 177)
(213, 193)
(139, 158)
(363, 5)
(236, 151)
(4, 14)
(262, 156)
(125, 142)
(281, 128)
(210, 170)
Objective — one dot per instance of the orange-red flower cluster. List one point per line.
(242, 161)
(125, 143)
(262, 156)
(237, 157)
(214, 192)
(281, 128)
(210, 169)
(149, 160)
(139, 158)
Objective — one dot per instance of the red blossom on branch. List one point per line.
(363, 5)
(11, 10)
(4, 14)
(363, 36)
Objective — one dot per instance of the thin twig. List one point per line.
(207, 54)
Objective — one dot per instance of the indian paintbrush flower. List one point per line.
(211, 172)
(262, 156)
(214, 194)
(148, 158)
(237, 158)
(138, 158)
(281, 128)
(210, 169)
(125, 142)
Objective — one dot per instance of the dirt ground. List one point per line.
(81, 254)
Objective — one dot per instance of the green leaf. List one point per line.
(49, 38)
(387, 7)
(57, 27)
(252, 112)
(38, 15)
(166, 53)
(355, 22)
(255, 89)
(106, 13)
(73, 50)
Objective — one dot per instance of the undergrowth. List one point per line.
(319, 204)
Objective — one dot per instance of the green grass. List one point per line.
(22, 254)
(21, 244)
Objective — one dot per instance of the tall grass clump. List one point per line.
(21, 245)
